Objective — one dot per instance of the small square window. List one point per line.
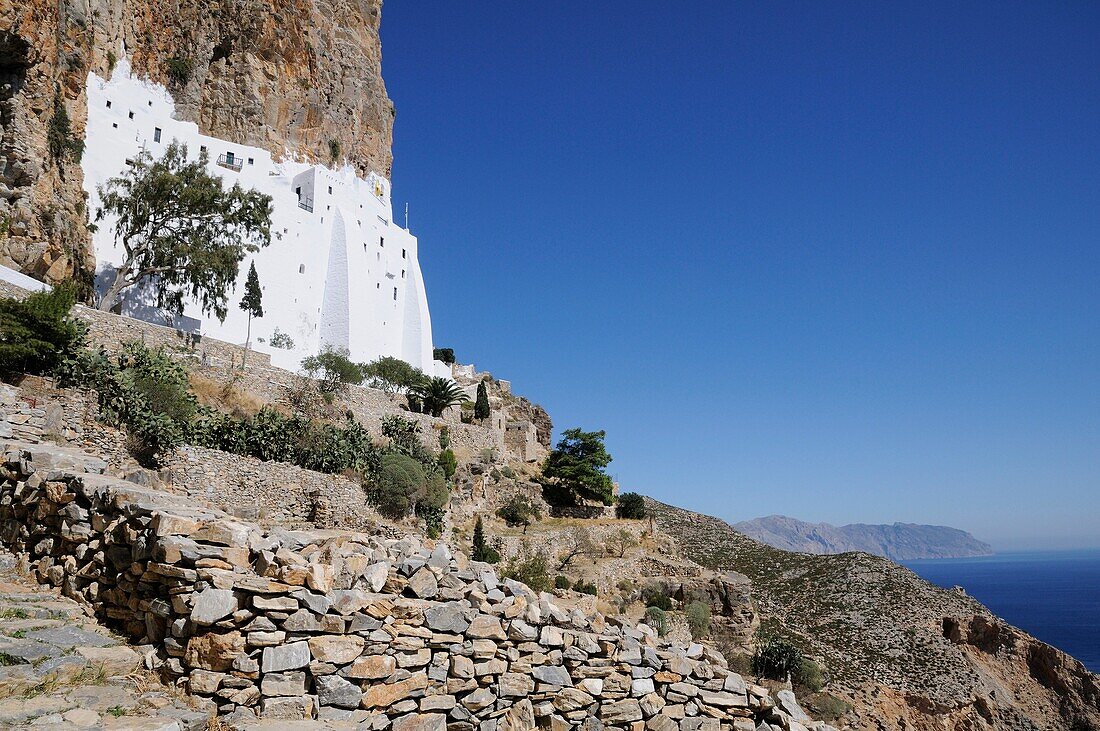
(250, 161)
(202, 148)
(108, 103)
(114, 124)
(150, 102)
(131, 115)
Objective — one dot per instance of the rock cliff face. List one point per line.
(294, 77)
(897, 542)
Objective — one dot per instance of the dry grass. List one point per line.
(225, 394)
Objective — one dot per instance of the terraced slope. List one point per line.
(910, 654)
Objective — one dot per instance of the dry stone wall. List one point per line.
(391, 633)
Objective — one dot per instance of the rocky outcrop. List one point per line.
(905, 653)
(897, 542)
(391, 633)
(293, 77)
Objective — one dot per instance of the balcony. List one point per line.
(231, 162)
(305, 204)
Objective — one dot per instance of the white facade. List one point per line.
(339, 272)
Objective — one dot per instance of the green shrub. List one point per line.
(776, 658)
(59, 134)
(391, 374)
(534, 570)
(631, 506)
(562, 582)
(400, 478)
(586, 588)
(481, 405)
(657, 595)
(333, 371)
(697, 614)
(809, 675)
(825, 706)
(179, 70)
(656, 618)
(519, 510)
(445, 438)
(334, 151)
(447, 355)
(448, 463)
(38, 332)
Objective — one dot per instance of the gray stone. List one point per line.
(332, 690)
(552, 675)
(283, 684)
(286, 657)
(423, 583)
(447, 617)
(212, 605)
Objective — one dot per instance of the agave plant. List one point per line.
(436, 394)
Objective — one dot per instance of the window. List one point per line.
(402, 253)
(114, 124)
(131, 115)
(156, 134)
(150, 102)
(330, 190)
(250, 161)
(301, 268)
(202, 148)
(395, 294)
(108, 103)
(402, 273)
(378, 285)
(381, 240)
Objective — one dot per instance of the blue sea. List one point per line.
(1052, 595)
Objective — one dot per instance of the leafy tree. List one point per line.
(448, 462)
(179, 226)
(38, 332)
(620, 542)
(657, 595)
(447, 355)
(481, 550)
(481, 405)
(576, 467)
(697, 614)
(631, 505)
(437, 394)
(562, 582)
(333, 371)
(519, 510)
(391, 374)
(578, 543)
(252, 303)
(281, 340)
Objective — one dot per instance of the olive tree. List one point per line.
(179, 225)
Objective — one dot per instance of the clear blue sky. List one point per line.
(839, 261)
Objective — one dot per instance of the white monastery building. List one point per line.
(339, 272)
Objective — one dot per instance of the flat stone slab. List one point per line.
(66, 637)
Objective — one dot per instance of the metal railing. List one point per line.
(231, 162)
(306, 204)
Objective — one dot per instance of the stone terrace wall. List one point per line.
(390, 633)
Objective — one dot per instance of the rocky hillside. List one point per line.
(286, 75)
(897, 542)
(909, 654)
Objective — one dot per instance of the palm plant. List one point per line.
(436, 394)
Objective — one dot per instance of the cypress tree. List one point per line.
(481, 406)
(482, 551)
(252, 304)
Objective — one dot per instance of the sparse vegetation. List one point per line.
(530, 567)
(60, 140)
(776, 658)
(578, 543)
(391, 375)
(281, 340)
(333, 151)
(657, 618)
(621, 541)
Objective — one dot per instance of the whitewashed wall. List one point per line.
(344, 274)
